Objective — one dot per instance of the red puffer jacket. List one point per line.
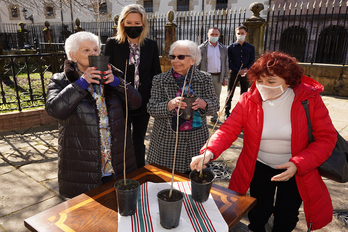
(248, 115)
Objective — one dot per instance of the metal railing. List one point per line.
(24, 79)
(313, 33)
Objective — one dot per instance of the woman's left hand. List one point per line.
(108, 75)
(286, 175)
(199, 103)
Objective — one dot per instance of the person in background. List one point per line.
(130, 51)
(277, 157)
(214, 61)
(91, 119)
(241, 56)
(164, 102)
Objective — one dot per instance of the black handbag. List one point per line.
(336, 166)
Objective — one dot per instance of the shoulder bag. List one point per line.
(336, 166)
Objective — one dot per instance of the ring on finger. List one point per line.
(90, 76)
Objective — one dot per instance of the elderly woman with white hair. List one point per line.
(91, 119)
(165, 99)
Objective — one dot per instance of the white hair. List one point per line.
(72, 44)
(191, 47)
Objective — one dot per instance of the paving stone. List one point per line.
(52, 185)
(41, 171)
(5, 167)
(15, 221)
(20, 192)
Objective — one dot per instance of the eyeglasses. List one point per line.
(180, 57)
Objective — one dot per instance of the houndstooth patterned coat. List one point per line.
(162, 143)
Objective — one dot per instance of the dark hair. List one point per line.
(242, 27)
(214, 28)
(277, 63)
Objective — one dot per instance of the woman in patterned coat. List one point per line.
(164, 102)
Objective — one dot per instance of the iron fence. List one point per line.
(24, 79)
(313, 33)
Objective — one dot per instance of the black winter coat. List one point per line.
(149, 66)
(79, 163)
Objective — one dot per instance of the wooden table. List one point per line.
(96, 210)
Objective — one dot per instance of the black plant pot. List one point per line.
(127, 196)
(188, 112)
(101, 62)
(200, 186)
(169, 208)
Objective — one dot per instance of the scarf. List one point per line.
(97, 92)
(134, 58)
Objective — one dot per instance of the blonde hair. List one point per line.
(132, 8)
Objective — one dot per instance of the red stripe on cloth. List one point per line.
(132, 224)
(148, 205)
(205, 213)
(143, 208)
(190, 206)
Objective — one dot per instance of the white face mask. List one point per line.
(268, 92)
(240, 38)
(213, 39)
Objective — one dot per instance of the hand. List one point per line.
(291, 169)
(174, 103)
(108, 75)
(243, 72)
(196, 162)
(91, 73)
(199, 103)
(224, 82)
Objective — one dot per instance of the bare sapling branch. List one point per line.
(177, 135)
(125, 126)
(219, 114)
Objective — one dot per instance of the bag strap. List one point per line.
(310, 130)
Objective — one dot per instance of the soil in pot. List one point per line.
(188, 112)
(169, 208)
(201, 185)
(101, 62)
(127, 196)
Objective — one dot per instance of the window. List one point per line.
(14, 12)
(103, 8)
(148, 5)
(332, 45)
(293, 41)
(221, 4)
(49, 12)
(183, 5)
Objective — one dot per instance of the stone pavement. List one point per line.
(28, 171)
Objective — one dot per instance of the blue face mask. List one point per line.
(213, 39)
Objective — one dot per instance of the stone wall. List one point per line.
(334, 78)
(25, 119)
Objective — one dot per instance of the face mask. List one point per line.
(213, 39)
(240, 38)
(133, 32)
(268, 92)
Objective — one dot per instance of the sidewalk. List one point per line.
(28, 171)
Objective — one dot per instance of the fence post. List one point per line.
(114, 27)
(170, 37)
(256, 28)
(77, 23)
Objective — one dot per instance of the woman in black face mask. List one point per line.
(130, 49)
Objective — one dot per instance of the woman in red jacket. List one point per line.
(276, 155)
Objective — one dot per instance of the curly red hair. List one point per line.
(277, 63)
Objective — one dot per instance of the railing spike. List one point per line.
(333, 3)
(290, 6)
(314, 5)
(240, 9)
(307, 6)
(284, 7)
(327, 3)
(340, 4)
(295, 5)
(235, 8)
(273, 7)
(320, 3)
(301, 5)
(244, 9)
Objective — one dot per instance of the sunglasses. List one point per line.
(180, 57)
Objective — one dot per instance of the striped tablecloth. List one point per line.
(194, 216)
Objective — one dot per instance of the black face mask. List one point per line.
(133, 32)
